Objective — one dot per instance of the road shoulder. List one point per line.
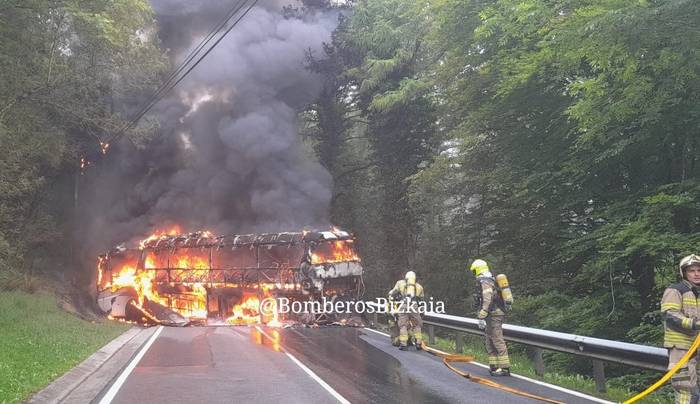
(84, 382)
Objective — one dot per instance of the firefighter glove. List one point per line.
(509, 307)
(482, 314)
(482, 324)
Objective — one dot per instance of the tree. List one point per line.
(71, 72)
(373, 127)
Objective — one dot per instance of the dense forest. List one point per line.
(557, 139)
(71, 72)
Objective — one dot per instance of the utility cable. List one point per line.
(219, 26)
(169, 84)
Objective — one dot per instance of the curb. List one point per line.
(85, 381)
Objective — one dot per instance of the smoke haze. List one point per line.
(228, 157)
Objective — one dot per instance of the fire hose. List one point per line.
(448, 359)
(668, 374)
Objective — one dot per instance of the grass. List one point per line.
(522, 365)
(39, 342)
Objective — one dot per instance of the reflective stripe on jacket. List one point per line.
(680, 308)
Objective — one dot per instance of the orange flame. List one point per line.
(331, 252)
(160, 235)
(247, 312)
(191, 302)
(179, 281)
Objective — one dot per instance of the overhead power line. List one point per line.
(187, 66)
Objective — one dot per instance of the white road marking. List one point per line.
(551, 386)
(378, 332)
(112, 392)
(309, 372)
(236, 333)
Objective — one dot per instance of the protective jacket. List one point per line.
(681, 309)
(487, 297)
(407, 290)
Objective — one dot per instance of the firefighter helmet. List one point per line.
(691, 259)
(479, 267)
(410, 277)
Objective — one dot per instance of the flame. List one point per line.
(276, 339)
(275, 321)
(141, 281)
(160, 235)
(336, 251)
(187, 262)
(182, 281)
(104, 147)
(84, 163)
(191, 302)
(248, 312)
(149, 262)
(100, 270)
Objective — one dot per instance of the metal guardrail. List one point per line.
(598, 349)
(641, 356)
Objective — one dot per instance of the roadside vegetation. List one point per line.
(523, 365)
(69, 72)
(40, 341)
(556, 139)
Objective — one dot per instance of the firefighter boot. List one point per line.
(403, 347)
(500, 372)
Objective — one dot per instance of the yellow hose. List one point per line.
(668, 374)
(448, 359)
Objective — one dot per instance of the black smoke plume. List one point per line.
(227, 156)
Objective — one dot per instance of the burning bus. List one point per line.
(180, 279)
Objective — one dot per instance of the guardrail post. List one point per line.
(458, 342)
(599, 375)
(431, 334)
(538, 361)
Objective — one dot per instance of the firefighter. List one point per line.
(491, 312)
(681, 314)
(408, 292)
(392, 312)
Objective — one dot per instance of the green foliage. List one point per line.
(40, 342)
(619, 388)
(555, 138)
(373, 128)
(71, 69)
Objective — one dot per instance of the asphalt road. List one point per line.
(304, 365)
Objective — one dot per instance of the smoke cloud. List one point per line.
(228, 156)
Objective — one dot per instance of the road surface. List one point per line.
(299, 365)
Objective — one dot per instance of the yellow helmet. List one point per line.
(687, 261)
(479, 267)
(410, 277)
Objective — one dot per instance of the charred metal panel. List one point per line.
(199, 273)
